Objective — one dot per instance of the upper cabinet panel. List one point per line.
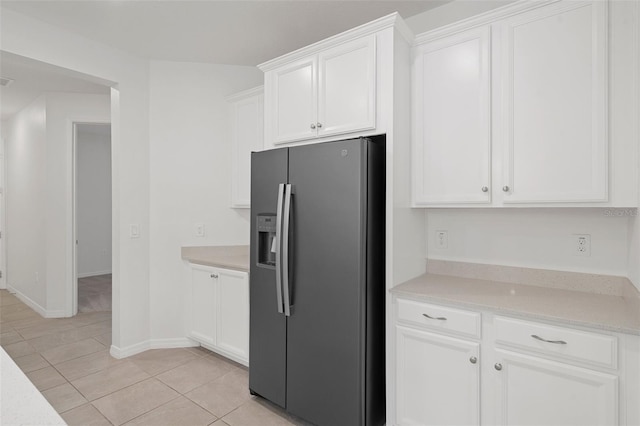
(451, 103)
(532, 105)
(347, 87)
(328, 93)
(292, 93)
(554, 83)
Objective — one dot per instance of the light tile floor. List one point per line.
(68, 360)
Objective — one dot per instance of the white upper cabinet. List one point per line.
(294, 100)
(347, 87)
(330, 91)
(247, 133)
(554, 83)
(452, 113)
(529, 105)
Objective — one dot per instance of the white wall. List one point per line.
(190, 176)
(93, 199)
(62, 110)
(534, 238)
(128, 75)
(26, 161)
(39, 190)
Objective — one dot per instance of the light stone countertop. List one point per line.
(599, 311)
(20, 402)
(228, 257)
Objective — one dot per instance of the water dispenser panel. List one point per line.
(266, 228)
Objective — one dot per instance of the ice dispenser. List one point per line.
(266, 240)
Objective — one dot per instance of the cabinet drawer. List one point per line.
(593, 348)
(439, 318)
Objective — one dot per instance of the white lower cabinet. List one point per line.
(219, 311)
(518, 372)
(535, 391)
(438, 379)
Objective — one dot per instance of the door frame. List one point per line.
(72, 246)
(3, 215)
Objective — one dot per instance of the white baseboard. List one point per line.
(181, 342)
(60, 313)
(93, 274)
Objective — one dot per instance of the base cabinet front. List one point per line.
(456, 366)
(534, 391)
(219, 308)
(438, 379)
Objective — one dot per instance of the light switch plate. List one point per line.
(134, 230)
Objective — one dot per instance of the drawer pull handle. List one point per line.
(555, 342)
(434, 318)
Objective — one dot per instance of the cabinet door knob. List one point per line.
(313, 126)
(319, 125)
(505, 188)
(473, 360)
(214, 275)
(498, 366)
(485, 189)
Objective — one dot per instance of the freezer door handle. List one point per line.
(285, 249)
(279, 248)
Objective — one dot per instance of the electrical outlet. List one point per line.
(582, 244)
(442, 239)
(199, 227)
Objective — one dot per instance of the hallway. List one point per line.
(94, 293)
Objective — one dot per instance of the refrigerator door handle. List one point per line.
(285, 249)
(279, 248)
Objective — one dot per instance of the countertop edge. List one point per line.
(235, 258)
(216, 264)
(504, 310)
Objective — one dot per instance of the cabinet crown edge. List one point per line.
(259, 90)
(485, 18)
(389, 21)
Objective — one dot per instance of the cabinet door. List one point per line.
(247, 116)
(347, 87)
(293, 101)
(437, 383)
(233, 313)
(203, 302)
(535, 391)
(451, 103)
(554, 83)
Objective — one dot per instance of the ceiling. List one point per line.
(223, 32)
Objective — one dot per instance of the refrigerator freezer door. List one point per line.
(325, 355)
(267, 340)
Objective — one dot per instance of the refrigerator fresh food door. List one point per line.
(268, 337)
(326, 329)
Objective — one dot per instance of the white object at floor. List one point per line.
(20, 402)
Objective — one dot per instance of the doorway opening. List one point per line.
(92, 209)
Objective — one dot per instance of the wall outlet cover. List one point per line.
(442, 239)
(582, 244)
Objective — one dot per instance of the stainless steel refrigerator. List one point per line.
(317, 292)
